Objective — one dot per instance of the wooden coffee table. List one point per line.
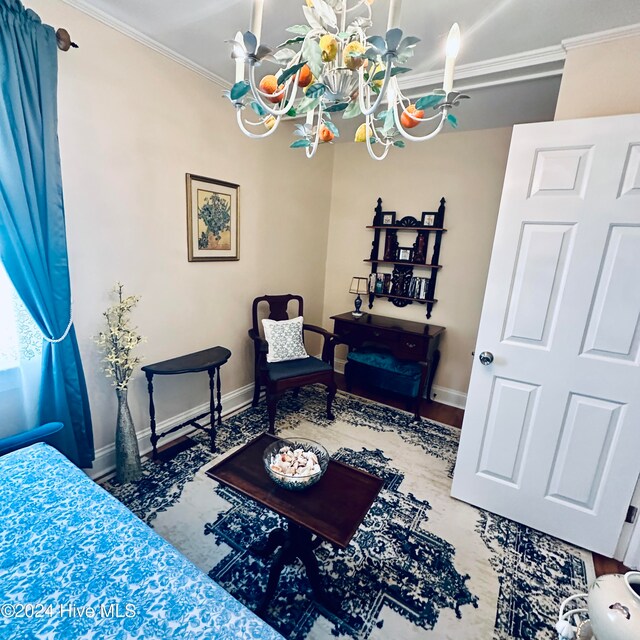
(331, 510)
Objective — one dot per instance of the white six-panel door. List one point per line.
(551, 435)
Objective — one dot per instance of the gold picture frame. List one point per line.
(213, 219)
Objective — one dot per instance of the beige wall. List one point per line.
(601, 80)
(132, 123)
(468, 169)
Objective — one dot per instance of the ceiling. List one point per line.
(524, 35)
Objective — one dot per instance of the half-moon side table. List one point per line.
(209, 360)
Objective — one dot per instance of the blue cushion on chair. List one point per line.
(295, 368)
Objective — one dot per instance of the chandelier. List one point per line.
(330, 69)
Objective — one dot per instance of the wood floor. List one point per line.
(452, 416)
(607, 565)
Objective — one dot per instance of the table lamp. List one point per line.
(358, 286)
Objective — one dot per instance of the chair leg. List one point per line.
(256, 394)
(331, 394)
(272, 403)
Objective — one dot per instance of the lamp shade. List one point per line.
(359, 285)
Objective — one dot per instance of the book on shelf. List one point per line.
(418, 288)
(411, 291)
(414, 287)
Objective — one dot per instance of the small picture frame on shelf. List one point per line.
(405, 254)
(428, 219)
(388, 218)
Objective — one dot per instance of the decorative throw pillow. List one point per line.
(285, 339)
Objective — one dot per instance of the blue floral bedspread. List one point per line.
(75, 563)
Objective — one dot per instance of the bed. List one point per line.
(75, 563)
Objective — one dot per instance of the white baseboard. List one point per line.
(105, 462)
(444, 395)
(452, 397)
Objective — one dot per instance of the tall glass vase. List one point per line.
(128, 467)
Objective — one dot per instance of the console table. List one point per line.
(404, 339)
(209, 360)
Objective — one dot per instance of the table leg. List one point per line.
(433, 367)
(282, 558)
(310, 563)
(212, 406)
(152, 415)
(219, 406)
(424, 371)
(276, 538)
(295, 543)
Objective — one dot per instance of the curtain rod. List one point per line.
(64, 40)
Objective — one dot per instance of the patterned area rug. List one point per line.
(422, 565)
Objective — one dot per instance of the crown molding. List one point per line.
(601, 36)
(138, 36)
(533, 64)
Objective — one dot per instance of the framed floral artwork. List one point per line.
(213, 219)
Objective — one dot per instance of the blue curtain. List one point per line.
(33, 245)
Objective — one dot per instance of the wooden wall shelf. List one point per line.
(414, 229)
(399, 286)
(413, 264)
(392, 297)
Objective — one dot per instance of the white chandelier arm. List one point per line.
(257, 124)
(412, 138)
(403, 100)
(370, 122)
(311, 151)
(393, 104)
(387, 145)
(258, 95)
(367, 109)
(249, 134)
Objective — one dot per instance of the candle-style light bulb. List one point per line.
(453, 48)
(256, 18)
(239, 61)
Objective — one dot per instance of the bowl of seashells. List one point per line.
(295, 464)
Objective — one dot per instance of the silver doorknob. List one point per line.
(486, 358)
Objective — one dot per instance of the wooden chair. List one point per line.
(278, 377)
